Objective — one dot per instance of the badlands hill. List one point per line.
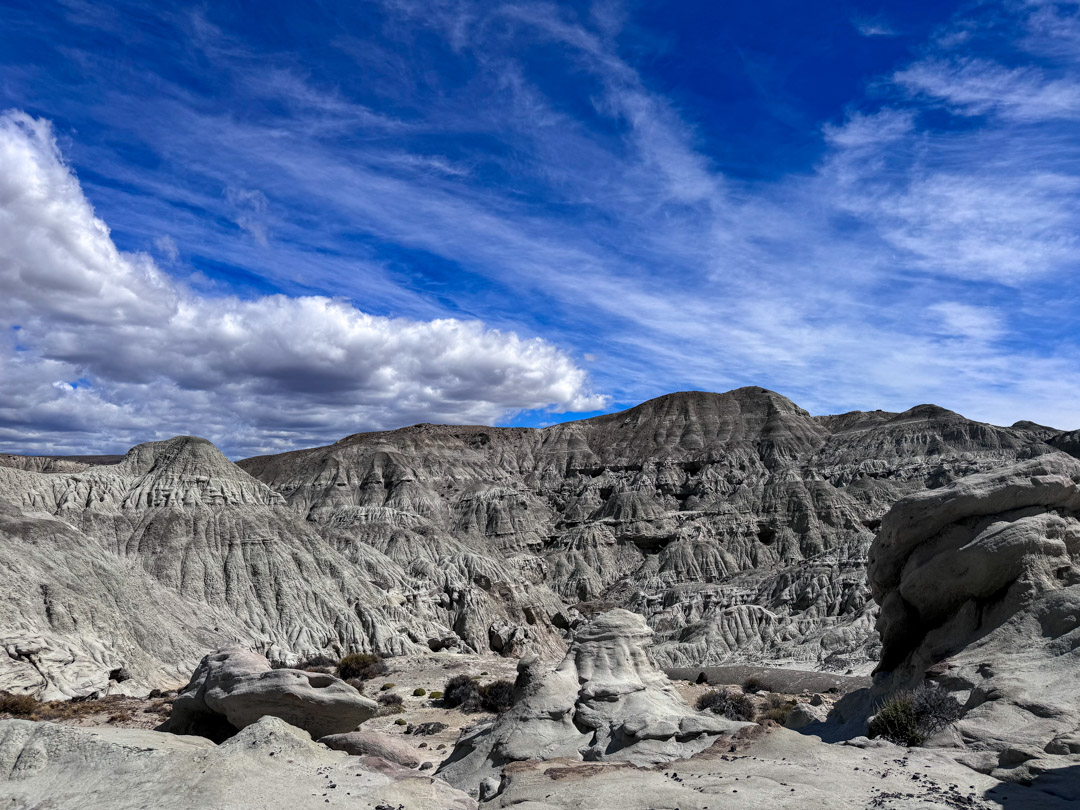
(736, 524)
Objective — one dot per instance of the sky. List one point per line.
(276, 224)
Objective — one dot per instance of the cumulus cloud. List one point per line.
(102, 342)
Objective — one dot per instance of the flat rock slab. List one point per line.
(268, 764)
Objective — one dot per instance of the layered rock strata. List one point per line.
(604, 702)
(736, 524)
(979, 586)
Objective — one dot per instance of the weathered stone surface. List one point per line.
(805, 715)
(234, 688)
(736, 523)
(979, 584)
(268, 764)
(375, 744)
(605, 701)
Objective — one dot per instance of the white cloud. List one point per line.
(873, 27)
(977, 86)
(167, 247)
(252, 374)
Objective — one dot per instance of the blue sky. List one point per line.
(275, 224)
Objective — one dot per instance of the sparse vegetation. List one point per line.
(462, 692)
(437, 695)
(732, 705)
(497, 696)
(356, 684)
(777, 709)
(419, 691)
(401, 721)
(361, 666)
(18, 705)
(753, 684)
(912, 716)
(386, 687)
(390, 699)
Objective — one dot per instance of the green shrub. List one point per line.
(497, 696)
(462, 692)
(435, 695)
(361, 666)
(401, 721)
(912, 716)
(419, 691)
(18, 705)
(387, 686)
(732, 705)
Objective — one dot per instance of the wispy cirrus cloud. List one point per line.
(518, 164)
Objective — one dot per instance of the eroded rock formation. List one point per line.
(979, 586)
(735, 523)
(234, 687)
(605, 702)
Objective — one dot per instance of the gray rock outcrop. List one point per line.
(268, 764)
(373, 744)
(979, 586)
(736, 524)
(604, 702)
(233, 688)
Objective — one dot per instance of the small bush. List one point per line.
(361, 666)
(386, 687)
(419, 692)
(435, 695)
(317, 663)
(732, 705)
(120, 717)
(356, 684)
(497, 696)
(390, 699)
(401, 721)
(18, 705)
(462, 692)
(912, 716)
(753, 684)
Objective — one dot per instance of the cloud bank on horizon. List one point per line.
(274, 227)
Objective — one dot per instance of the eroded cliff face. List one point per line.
(979, 586)
(736, 524)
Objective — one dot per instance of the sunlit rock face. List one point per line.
(606, 702)
(736, 524)
(979, 586)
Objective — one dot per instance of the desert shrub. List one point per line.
(435, 695)
(401, 721)
(462, 692)
(419, 691)
(497, 696)
(356, 684)
(390, 699)
(120, 717)
(316, 663)
(732, 705)
(386, 687)
(361, 666)
(18, 705)
(753, 684)
(777, 708)
(912, 716)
